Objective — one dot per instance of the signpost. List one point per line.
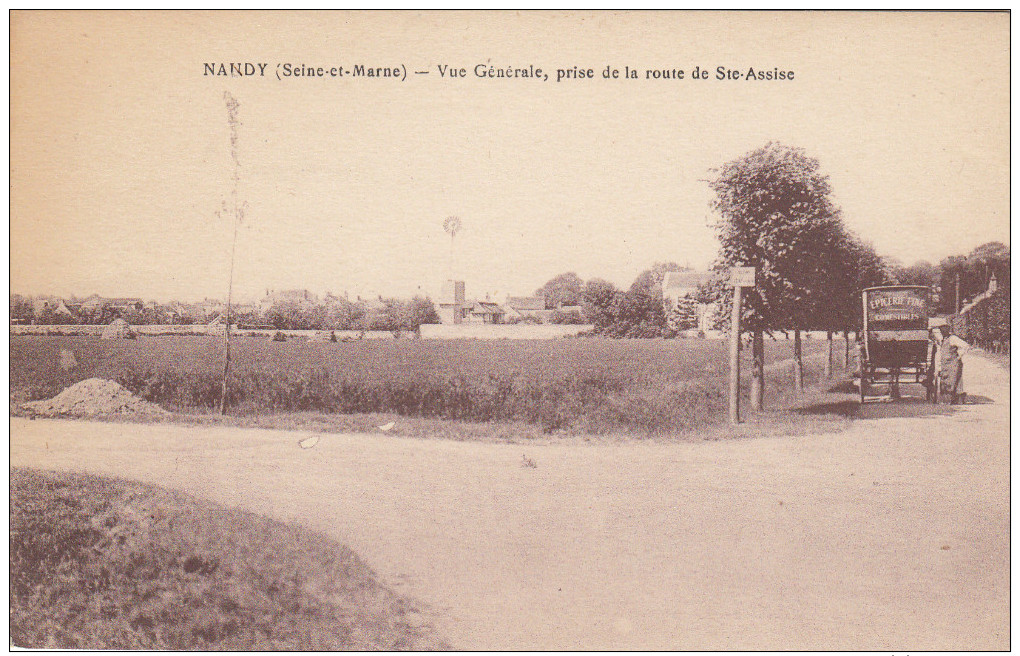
(740, 277)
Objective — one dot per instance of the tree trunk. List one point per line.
(846, 349)
(798, 362)
(758, 371)
(828, 354)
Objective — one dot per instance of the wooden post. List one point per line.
(740, 277)
(735, 358)
(758, 371)
(828, 354)
(798, 361)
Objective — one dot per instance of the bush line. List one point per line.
(595, 403)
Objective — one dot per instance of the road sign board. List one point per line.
(742, 276)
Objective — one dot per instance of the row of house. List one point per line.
(102, 309)
(455, 308)
(683, 310)
(306, 299)
(97, 309)
(679, 293)
(75, 309)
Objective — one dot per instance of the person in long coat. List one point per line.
(949, 364)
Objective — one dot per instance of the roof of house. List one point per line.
(95, 301)
(49, 301)
(526, 302)
(685, 281)
(288, 295)
(485, 307)
(194, 309)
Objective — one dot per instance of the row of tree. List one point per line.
(637, 311)
(776, 213)
(342, 314)
(960, 277)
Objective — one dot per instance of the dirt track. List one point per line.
(891, 536)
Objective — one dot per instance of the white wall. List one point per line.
(500, 331)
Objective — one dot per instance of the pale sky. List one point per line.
(121, 159)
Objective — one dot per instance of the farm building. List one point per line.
(525, 306)
(679, 298)
(52, 305)
(203, 312)
(96, 303)
(298, 296)
(452, 305)
(486, 312)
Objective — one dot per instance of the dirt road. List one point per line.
(891, 536)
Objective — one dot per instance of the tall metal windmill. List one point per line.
(452, 226)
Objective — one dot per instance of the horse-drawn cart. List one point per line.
(895, 344)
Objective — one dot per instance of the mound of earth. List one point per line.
(94, 396)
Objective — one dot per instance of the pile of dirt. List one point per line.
(94, 396)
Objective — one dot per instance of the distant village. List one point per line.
(300, 309)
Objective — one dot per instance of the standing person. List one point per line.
(949, 362)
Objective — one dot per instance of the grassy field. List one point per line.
(577, 385)
(109, 564)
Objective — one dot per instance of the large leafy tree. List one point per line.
(921, 272)
(637, 312)
(413, 313)
(777, 215)
(651, 279)
(598, 303)
(641, 307)
(858, 267)
(564, 289)
(973, 271)
(21, 308)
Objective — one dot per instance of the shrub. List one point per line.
(528, 320)
(561, 404)
(567, 318)
(279, 336)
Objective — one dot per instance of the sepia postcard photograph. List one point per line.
(509, 330)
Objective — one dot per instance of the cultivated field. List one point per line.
(582, 385)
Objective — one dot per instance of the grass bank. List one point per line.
(110, 564)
